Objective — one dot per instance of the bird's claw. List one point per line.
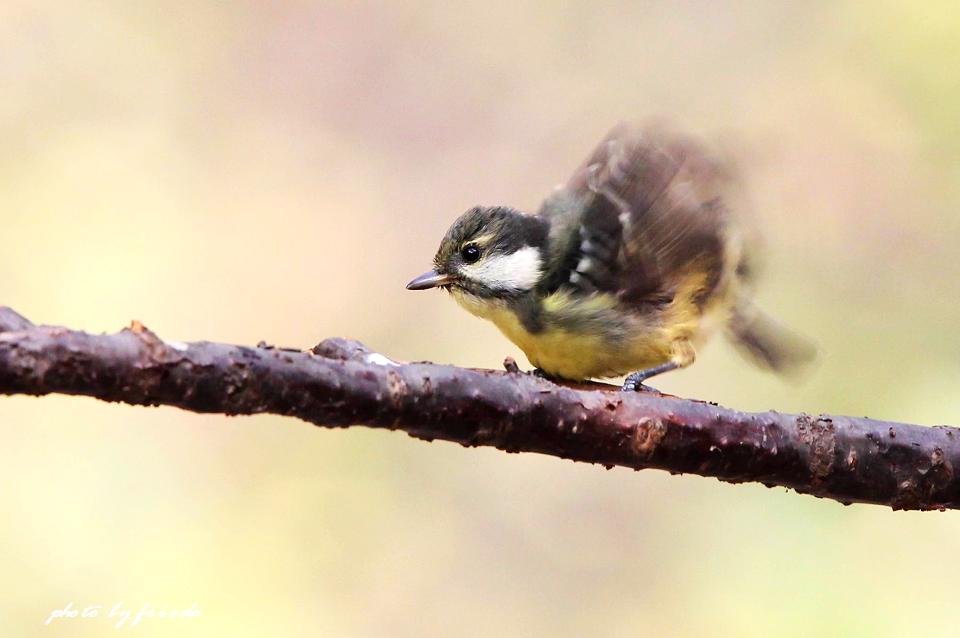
(634, 383)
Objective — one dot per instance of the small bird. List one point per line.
(627, 268)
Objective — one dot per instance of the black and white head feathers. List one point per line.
(494, 251)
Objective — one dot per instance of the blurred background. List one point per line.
(279, 170)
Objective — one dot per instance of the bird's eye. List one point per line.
(470, 253)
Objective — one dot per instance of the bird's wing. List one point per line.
(643, 208)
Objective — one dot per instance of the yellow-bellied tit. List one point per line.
(627, 268)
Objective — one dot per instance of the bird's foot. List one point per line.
(634, 381)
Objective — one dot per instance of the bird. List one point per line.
(628, 268)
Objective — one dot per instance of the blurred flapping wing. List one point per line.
(640, 211)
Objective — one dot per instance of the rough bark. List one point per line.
(341, 383)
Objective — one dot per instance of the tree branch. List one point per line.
(342, 383)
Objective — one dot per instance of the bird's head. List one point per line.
(489, 252)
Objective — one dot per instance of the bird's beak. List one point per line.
(430, 279)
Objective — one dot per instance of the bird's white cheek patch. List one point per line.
(517, 271)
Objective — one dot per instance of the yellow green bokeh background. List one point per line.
(278, 170)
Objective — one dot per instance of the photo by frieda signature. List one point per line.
(120, 614)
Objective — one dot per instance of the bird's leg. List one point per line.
(682, 354)
(634, 381)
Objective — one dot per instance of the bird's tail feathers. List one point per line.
(769, 344)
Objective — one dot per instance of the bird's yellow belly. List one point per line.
(580, 356)
(577, 355)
